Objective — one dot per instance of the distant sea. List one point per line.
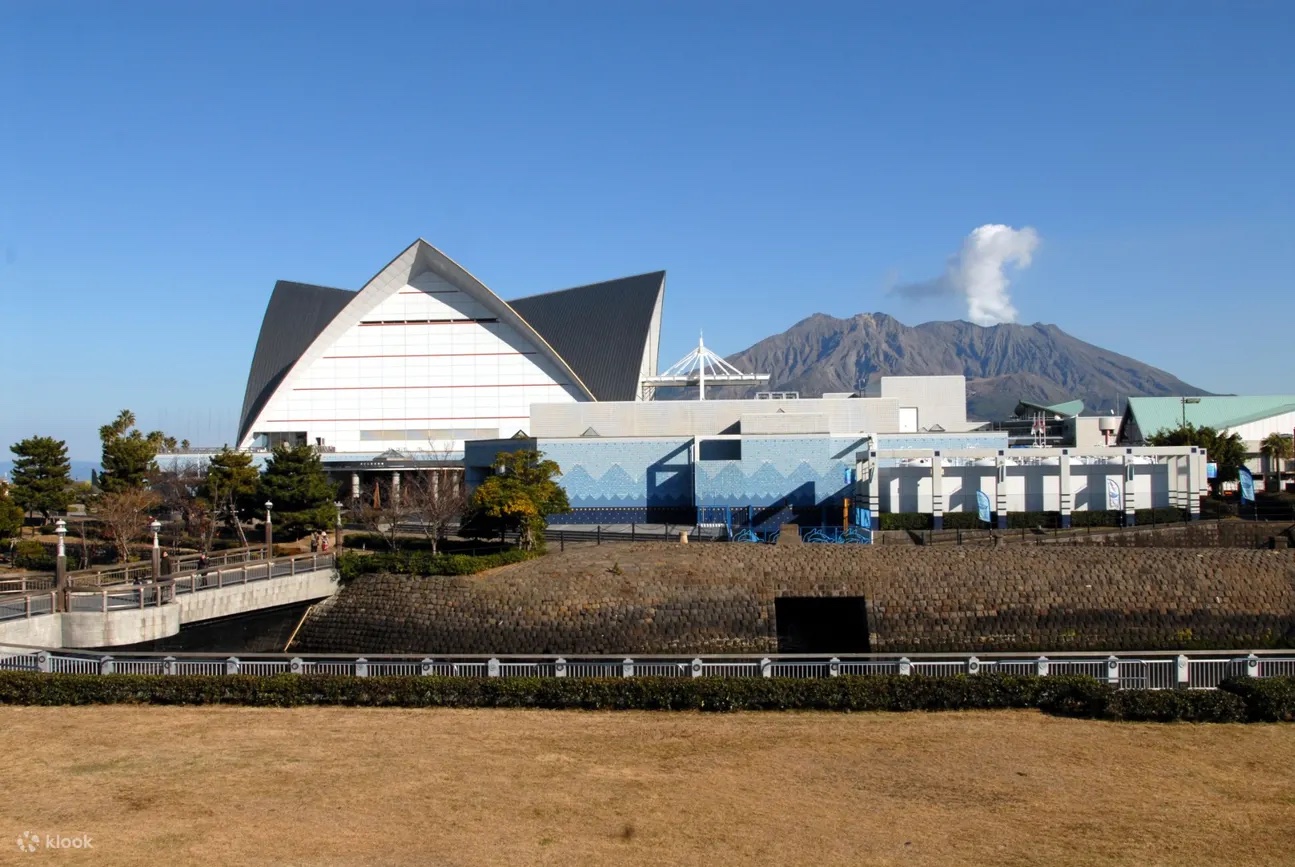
(80, 469)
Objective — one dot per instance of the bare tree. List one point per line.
(437, 500)
(178, 490)
(125, 515)
(384, 511)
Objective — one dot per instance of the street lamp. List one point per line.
(269, 531)
(156, 527)
(60, 562)
(1185, 401)
(337, 529)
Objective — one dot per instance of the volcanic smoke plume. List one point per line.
(978, 272)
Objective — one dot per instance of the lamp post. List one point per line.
(269, 531)
(156, 527)
(60, 564)
(1185, 401)
(337, 528)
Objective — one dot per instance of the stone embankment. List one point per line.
(715, 598)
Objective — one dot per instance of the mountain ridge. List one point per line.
(1003, 363)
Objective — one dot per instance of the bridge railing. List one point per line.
(129, 573)
(1135, 671)
(30, 605)
(151, 594)
(26, 584)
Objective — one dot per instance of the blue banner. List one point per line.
(1247, 484)
(982, 506)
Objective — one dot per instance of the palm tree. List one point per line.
(1276, 449)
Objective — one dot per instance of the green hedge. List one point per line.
(1238, 701)
(905, 521)
(877, 693)
(1267, 699)
(350, 565)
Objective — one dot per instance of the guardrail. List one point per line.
(26, 584)
(129, 573)
(1132, 671)
(22, 607)
(152, 594)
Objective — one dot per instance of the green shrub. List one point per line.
(876, 693)
(1238, 700)
(1169, 705)
(964, 521)
(1096, 519)
(1268, 699)
(905, 521)
(1164, 515)
(1030, 520)
(351, 565)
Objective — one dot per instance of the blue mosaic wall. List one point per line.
(624, 473)
(790, 471)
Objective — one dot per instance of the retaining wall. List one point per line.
(654, 598)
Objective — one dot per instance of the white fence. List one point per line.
(1165, 670)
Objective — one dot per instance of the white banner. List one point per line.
(1113, 497)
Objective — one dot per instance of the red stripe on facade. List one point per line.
(447, 418)
(431, 322)
(397, 387)
(433, 355)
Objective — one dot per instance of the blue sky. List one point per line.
(163, 164)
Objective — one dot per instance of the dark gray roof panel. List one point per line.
(600, 330)
(295, 316)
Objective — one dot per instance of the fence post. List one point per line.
(244, 573)
(296, 665)
(1252, 666)
(1041, 666)
(220, 579)
(1112, 671)
(492, 667)
(103, 601)
(766, 667)
(231, 665)
(833, 667)
(562, 540)
(106, 665)
(1182, 672)
(292, 567)
(633, 530)
(43, 662)
(695, 668)
(627, 667)
(559, 667)
(168, 665)
(361, 667)
(973, 666)
(905, 666)
(598, 533)
(425, 668)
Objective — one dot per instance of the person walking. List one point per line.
(314, 541)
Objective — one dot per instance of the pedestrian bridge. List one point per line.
(124, 614)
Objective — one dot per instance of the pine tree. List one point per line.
(295, 482)
(41, 475)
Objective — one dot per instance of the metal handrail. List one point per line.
(1154, 670)
(152, 594)
(26, 584)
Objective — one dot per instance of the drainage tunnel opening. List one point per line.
(821, 624)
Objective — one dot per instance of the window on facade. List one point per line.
(719, 450)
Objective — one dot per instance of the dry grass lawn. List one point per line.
(338, 786)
